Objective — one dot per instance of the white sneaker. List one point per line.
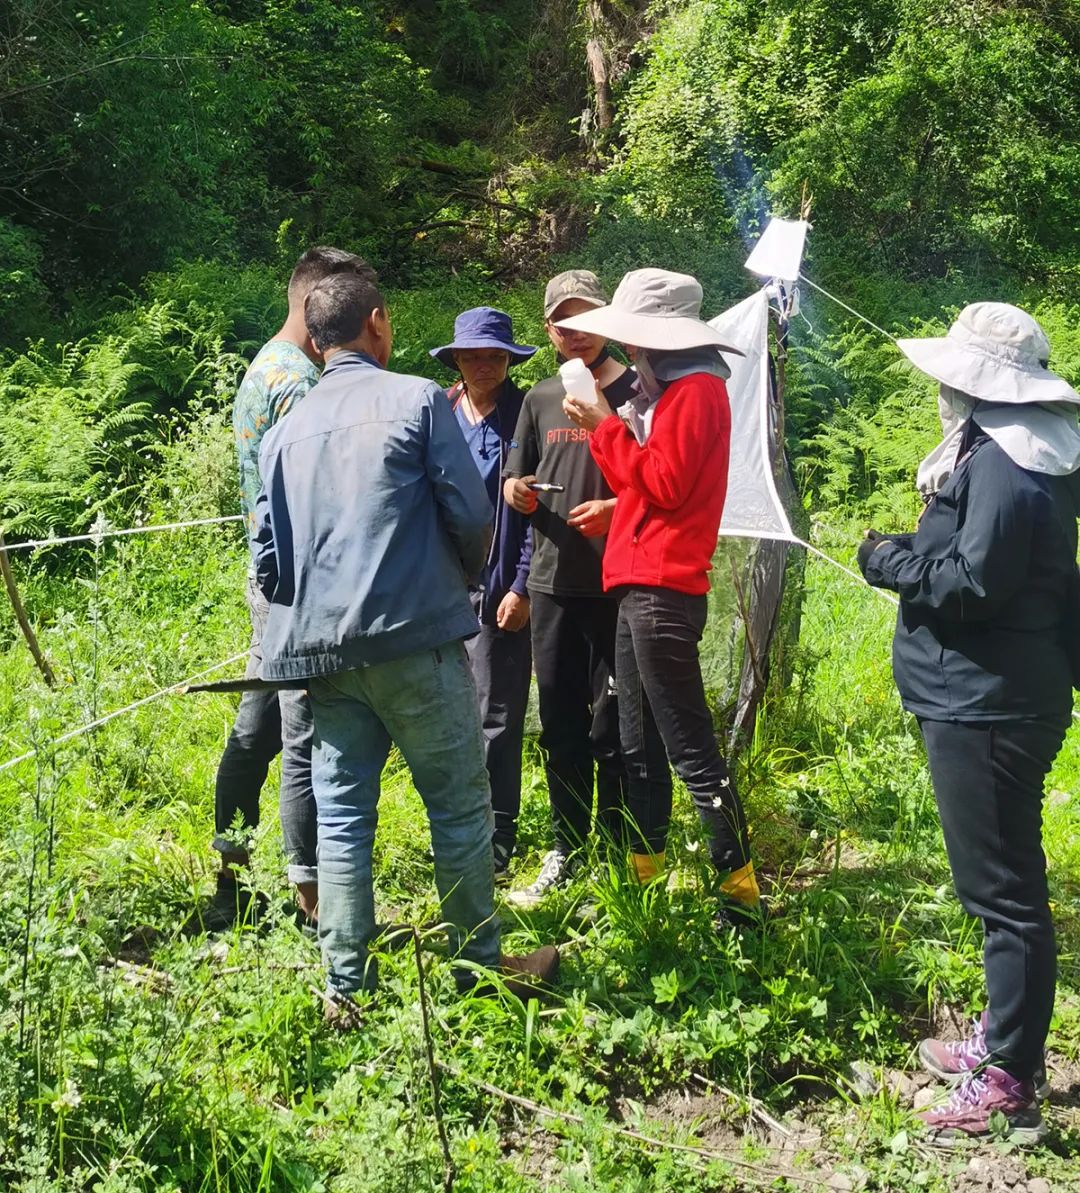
(556, 871)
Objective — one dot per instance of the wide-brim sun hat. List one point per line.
(994, 352)
(653, 308)
(483, 327)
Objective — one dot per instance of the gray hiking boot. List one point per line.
(556, 871)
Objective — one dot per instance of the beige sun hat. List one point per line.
(994, 352)
(653, 308)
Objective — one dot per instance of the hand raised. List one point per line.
(587, 414)
(517, 493)
(592, 518)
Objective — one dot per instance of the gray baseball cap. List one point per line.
(574, 283)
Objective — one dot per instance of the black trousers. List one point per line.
(573, 642)
(502, 665)
(268, 724)
(664, 716)
(988, 781)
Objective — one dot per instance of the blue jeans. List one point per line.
(426, 705)
(268, 724)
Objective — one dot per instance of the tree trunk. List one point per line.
(598, 69)
(597, 59)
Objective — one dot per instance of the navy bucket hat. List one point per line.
(483, 327)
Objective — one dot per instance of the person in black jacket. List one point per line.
(987, 587)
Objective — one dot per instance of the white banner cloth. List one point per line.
(753, 508)
(779, 252)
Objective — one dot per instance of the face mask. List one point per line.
(648, 382)
(954, 408)
(659, 369)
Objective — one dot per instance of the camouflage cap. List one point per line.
(574, 283)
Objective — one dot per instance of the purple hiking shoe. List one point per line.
(972, 1109)
(951, 1062)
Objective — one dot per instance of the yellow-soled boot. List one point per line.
(648, 867)
(741, 903)
(742, 886)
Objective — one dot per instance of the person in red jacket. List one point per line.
(665, 456)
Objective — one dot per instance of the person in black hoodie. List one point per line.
(487, 404)
(988, 613)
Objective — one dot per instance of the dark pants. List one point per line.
(501, 665)
(664, 716)
(573, 642)
(268, 724)
(988, 781)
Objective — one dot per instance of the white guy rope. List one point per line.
(781, 537)
(128, 708)
(243, 655)
(851, 310)
(887, 596)
(97, 535)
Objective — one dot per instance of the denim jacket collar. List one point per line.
(350, 360)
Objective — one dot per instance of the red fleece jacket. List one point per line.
(670, 491)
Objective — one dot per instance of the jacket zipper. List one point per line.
(641, 522)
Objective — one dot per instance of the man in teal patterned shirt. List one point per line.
(279, 376)
(269, 723)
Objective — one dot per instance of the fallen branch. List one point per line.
(753, 1106)
(140, 974)
(436, 167)
(416, 229)
(628, 1133)
(433, 1070)
(272, 966)
(21, 617)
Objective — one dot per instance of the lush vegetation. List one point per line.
(162, 165)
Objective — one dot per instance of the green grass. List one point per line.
(134, 1057)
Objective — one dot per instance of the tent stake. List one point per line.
(21, 618)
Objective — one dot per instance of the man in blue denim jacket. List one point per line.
(371, 518)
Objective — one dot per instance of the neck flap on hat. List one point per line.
(1042, 438)
(655, 372)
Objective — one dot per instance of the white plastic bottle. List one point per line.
(578, 381)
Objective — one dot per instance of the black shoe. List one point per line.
(740, 916)
(231, 904)
(501, 855)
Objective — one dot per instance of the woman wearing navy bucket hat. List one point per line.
(487, 404)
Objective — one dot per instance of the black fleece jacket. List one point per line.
(988, 592)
